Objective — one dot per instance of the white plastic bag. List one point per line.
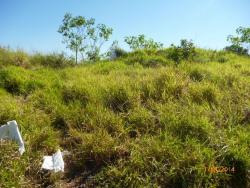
(11, 131)
(54, 162)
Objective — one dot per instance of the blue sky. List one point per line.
(32, 24)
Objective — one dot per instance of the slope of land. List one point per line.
(136, 121)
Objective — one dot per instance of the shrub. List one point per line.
(140, 42)
(241, 39)
(236, 49)
(118, 52)
(186, 51)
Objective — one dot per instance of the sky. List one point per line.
(32, 25)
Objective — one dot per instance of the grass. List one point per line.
(137, 121)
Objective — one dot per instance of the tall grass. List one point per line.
(137, 121)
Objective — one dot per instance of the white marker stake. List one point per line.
(54, 162)
(11, 131)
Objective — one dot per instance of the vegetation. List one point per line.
(241, 42)
(186, 51)
(82, 35)
(139, 120)
(141, 42)
(115, 51)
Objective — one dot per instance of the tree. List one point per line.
(241, 42)
(83, 36)
(141, 42)
(185, 51)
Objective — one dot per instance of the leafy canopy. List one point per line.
(141, 42)
(83, 36)
(240, 42)
(185, 51)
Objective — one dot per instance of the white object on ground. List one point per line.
(54, 162)
(11, 131)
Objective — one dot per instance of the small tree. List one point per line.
(141, 42)
(83, 36)
(241, 42)
(185, 51)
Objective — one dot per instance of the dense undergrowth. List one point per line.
(140, 120)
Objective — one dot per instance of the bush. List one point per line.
(186, 51)
(140, 42)
(236, 49)
(118, 52)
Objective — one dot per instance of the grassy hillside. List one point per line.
(140, 120)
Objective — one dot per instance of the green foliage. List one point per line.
(238, 42)
(186, 51)
(237, 49)
(141, 42)
(81, 35)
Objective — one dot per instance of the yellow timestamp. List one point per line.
(220, 169)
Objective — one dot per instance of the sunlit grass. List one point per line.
(138, 121)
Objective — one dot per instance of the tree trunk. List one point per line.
(76, 55)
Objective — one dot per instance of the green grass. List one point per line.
(137, 121)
